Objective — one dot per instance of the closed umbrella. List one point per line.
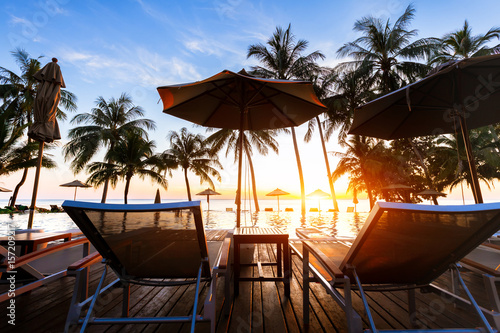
(240, 101)
(157, 196)
(76, 184)
(318, 194)
(45, 128)
(457, 96)
(208, 192)
(277, 192)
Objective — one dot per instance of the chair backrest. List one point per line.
(414, 244)
(145, 241)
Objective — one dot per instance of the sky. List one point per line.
(106, 48)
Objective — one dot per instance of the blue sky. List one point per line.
(109, 47)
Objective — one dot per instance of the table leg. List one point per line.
(286, 264)
(278, 259)
(236, 268)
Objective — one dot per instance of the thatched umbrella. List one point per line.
(45, 128)
(208, 192)
(431, 194)
(318, 194)
(76, 184)
(277, 192)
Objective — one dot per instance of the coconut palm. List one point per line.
(365, 160)
(130, 156)
(450, 164)
(382, 48)
(262, 140)
(190, 152)
(322, 82)
(17, 93)
(461, 44)
(105, 125)
(283, 59)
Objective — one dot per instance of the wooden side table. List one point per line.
(29, 241)
(252, 235)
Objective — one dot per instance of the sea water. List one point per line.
(216, 216)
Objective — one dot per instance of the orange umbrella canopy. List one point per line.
(240, 101)
(277, 192)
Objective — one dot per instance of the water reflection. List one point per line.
(337, 224)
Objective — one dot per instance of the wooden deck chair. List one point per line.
(401, 246)
(153, 244)
(40, 267)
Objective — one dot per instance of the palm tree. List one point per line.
(322, 82)
(284, 60)
(365, 160)
(461, 44)
(262, 140)
(17, 93)
(132, 155)
(381, 48)
(105, 125)
(450, 164)
(190, 152)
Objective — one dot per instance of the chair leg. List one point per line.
(126, 299)
(491, 291)
(412, 308)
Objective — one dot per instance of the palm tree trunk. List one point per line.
(18, 187)
(301, 176)
(23, 179)
(329, 174)
(127, 185)
(422, 164)
(187, 184)
(252, 174)
(105, 191)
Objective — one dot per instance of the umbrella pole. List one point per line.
(74, 196)
(240, 161)
(478, 198)
(35, 185)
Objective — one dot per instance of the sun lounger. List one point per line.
(157, 244)
(400, 246)
(485, 260)
(39, 267)
(268, 209)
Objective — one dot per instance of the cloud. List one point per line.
(139, 67)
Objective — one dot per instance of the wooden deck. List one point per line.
(260, 306)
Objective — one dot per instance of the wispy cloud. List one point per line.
(139, 67)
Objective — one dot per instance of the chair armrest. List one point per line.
(85, 262)
(326, 262)
(224, 256)
(27, 258)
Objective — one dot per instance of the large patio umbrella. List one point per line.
(76, 184)
(208, 192)
(457, 96)
(240, 101)
(277, 192)
(318, 194)
(45, 128)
